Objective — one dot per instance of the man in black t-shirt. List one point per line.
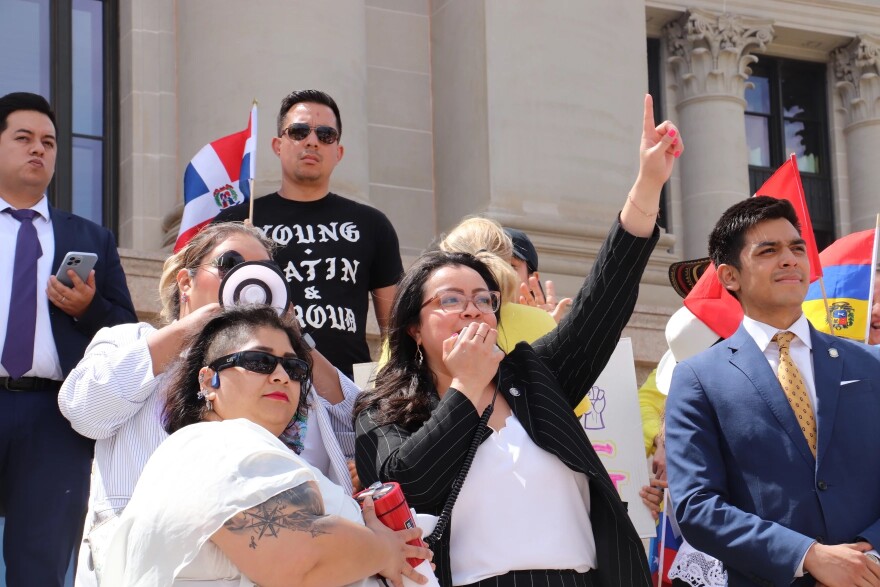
(332, 250)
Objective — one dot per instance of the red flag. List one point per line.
(713, 304)
(785, 184)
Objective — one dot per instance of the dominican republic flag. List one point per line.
(217, 178)
(849, 265)
(713, 304)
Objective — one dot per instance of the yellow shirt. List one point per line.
(652, 402)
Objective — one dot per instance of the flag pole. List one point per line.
(661, 575)
(874, 255)
(250, 218)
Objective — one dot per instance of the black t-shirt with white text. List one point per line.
(333, 252)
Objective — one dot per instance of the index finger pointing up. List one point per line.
(649, 115)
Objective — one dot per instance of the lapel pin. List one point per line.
(832, 352)
(514, 392)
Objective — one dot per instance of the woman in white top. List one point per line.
(223, 501)
(113, 394)
(536, 506)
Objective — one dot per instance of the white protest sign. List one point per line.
(614, 426)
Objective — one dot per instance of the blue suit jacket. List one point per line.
(112, 302)
(746, 487)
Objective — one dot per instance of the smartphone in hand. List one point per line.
(81, 263)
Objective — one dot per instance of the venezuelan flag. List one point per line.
(847, 266)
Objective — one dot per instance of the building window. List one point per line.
(787, 113)
(64, 50)
(654, 85)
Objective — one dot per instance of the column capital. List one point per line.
(857, 76)
(710, 53)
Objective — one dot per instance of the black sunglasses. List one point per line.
(225, 262)
(300, 130)
(263, 363)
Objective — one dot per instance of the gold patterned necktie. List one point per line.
(795, 389)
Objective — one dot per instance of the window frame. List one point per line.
(818, 187)
(61, 76)
(655, 61)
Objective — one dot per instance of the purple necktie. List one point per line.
(18, 348)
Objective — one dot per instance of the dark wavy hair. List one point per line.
(406, 391)
(223, 335)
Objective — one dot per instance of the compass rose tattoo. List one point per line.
(299, 509)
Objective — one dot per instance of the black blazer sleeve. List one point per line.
(425, 462)
(579, 348)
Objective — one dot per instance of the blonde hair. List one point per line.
(192, 255)
(486, 239)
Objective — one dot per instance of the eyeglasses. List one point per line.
(300, 130)
(454, 301)
(263, 363)
(224, 263)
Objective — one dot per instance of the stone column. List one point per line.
(710, 56)
(857, 73)
(537, 117)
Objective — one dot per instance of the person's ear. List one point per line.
(340, 151)
(728, 275)
(276, 146)
(184, 280)
(415, 332)
(208, 378)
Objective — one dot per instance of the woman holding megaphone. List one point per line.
(114, 394)
(223, 502)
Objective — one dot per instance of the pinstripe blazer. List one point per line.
(550, 378)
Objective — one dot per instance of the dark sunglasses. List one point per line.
(300, 130)
(263, 363)
(225, 262)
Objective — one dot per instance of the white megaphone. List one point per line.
(255, 282)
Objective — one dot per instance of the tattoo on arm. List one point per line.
(299, 509)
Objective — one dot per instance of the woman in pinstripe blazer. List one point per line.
(416, 426)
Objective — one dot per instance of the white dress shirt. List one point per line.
(801, 350)
(46, 363)
(538, 516)
(113, 397)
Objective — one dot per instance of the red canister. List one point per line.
(392, 510)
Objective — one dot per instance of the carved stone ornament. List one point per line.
(710, 53)
(857, 73)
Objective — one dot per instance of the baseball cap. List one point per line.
(523, 249)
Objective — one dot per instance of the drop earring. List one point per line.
(183, 298)
(420, 358)
(204, 395)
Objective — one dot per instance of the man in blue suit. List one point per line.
(773, 449)
(45, 327)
